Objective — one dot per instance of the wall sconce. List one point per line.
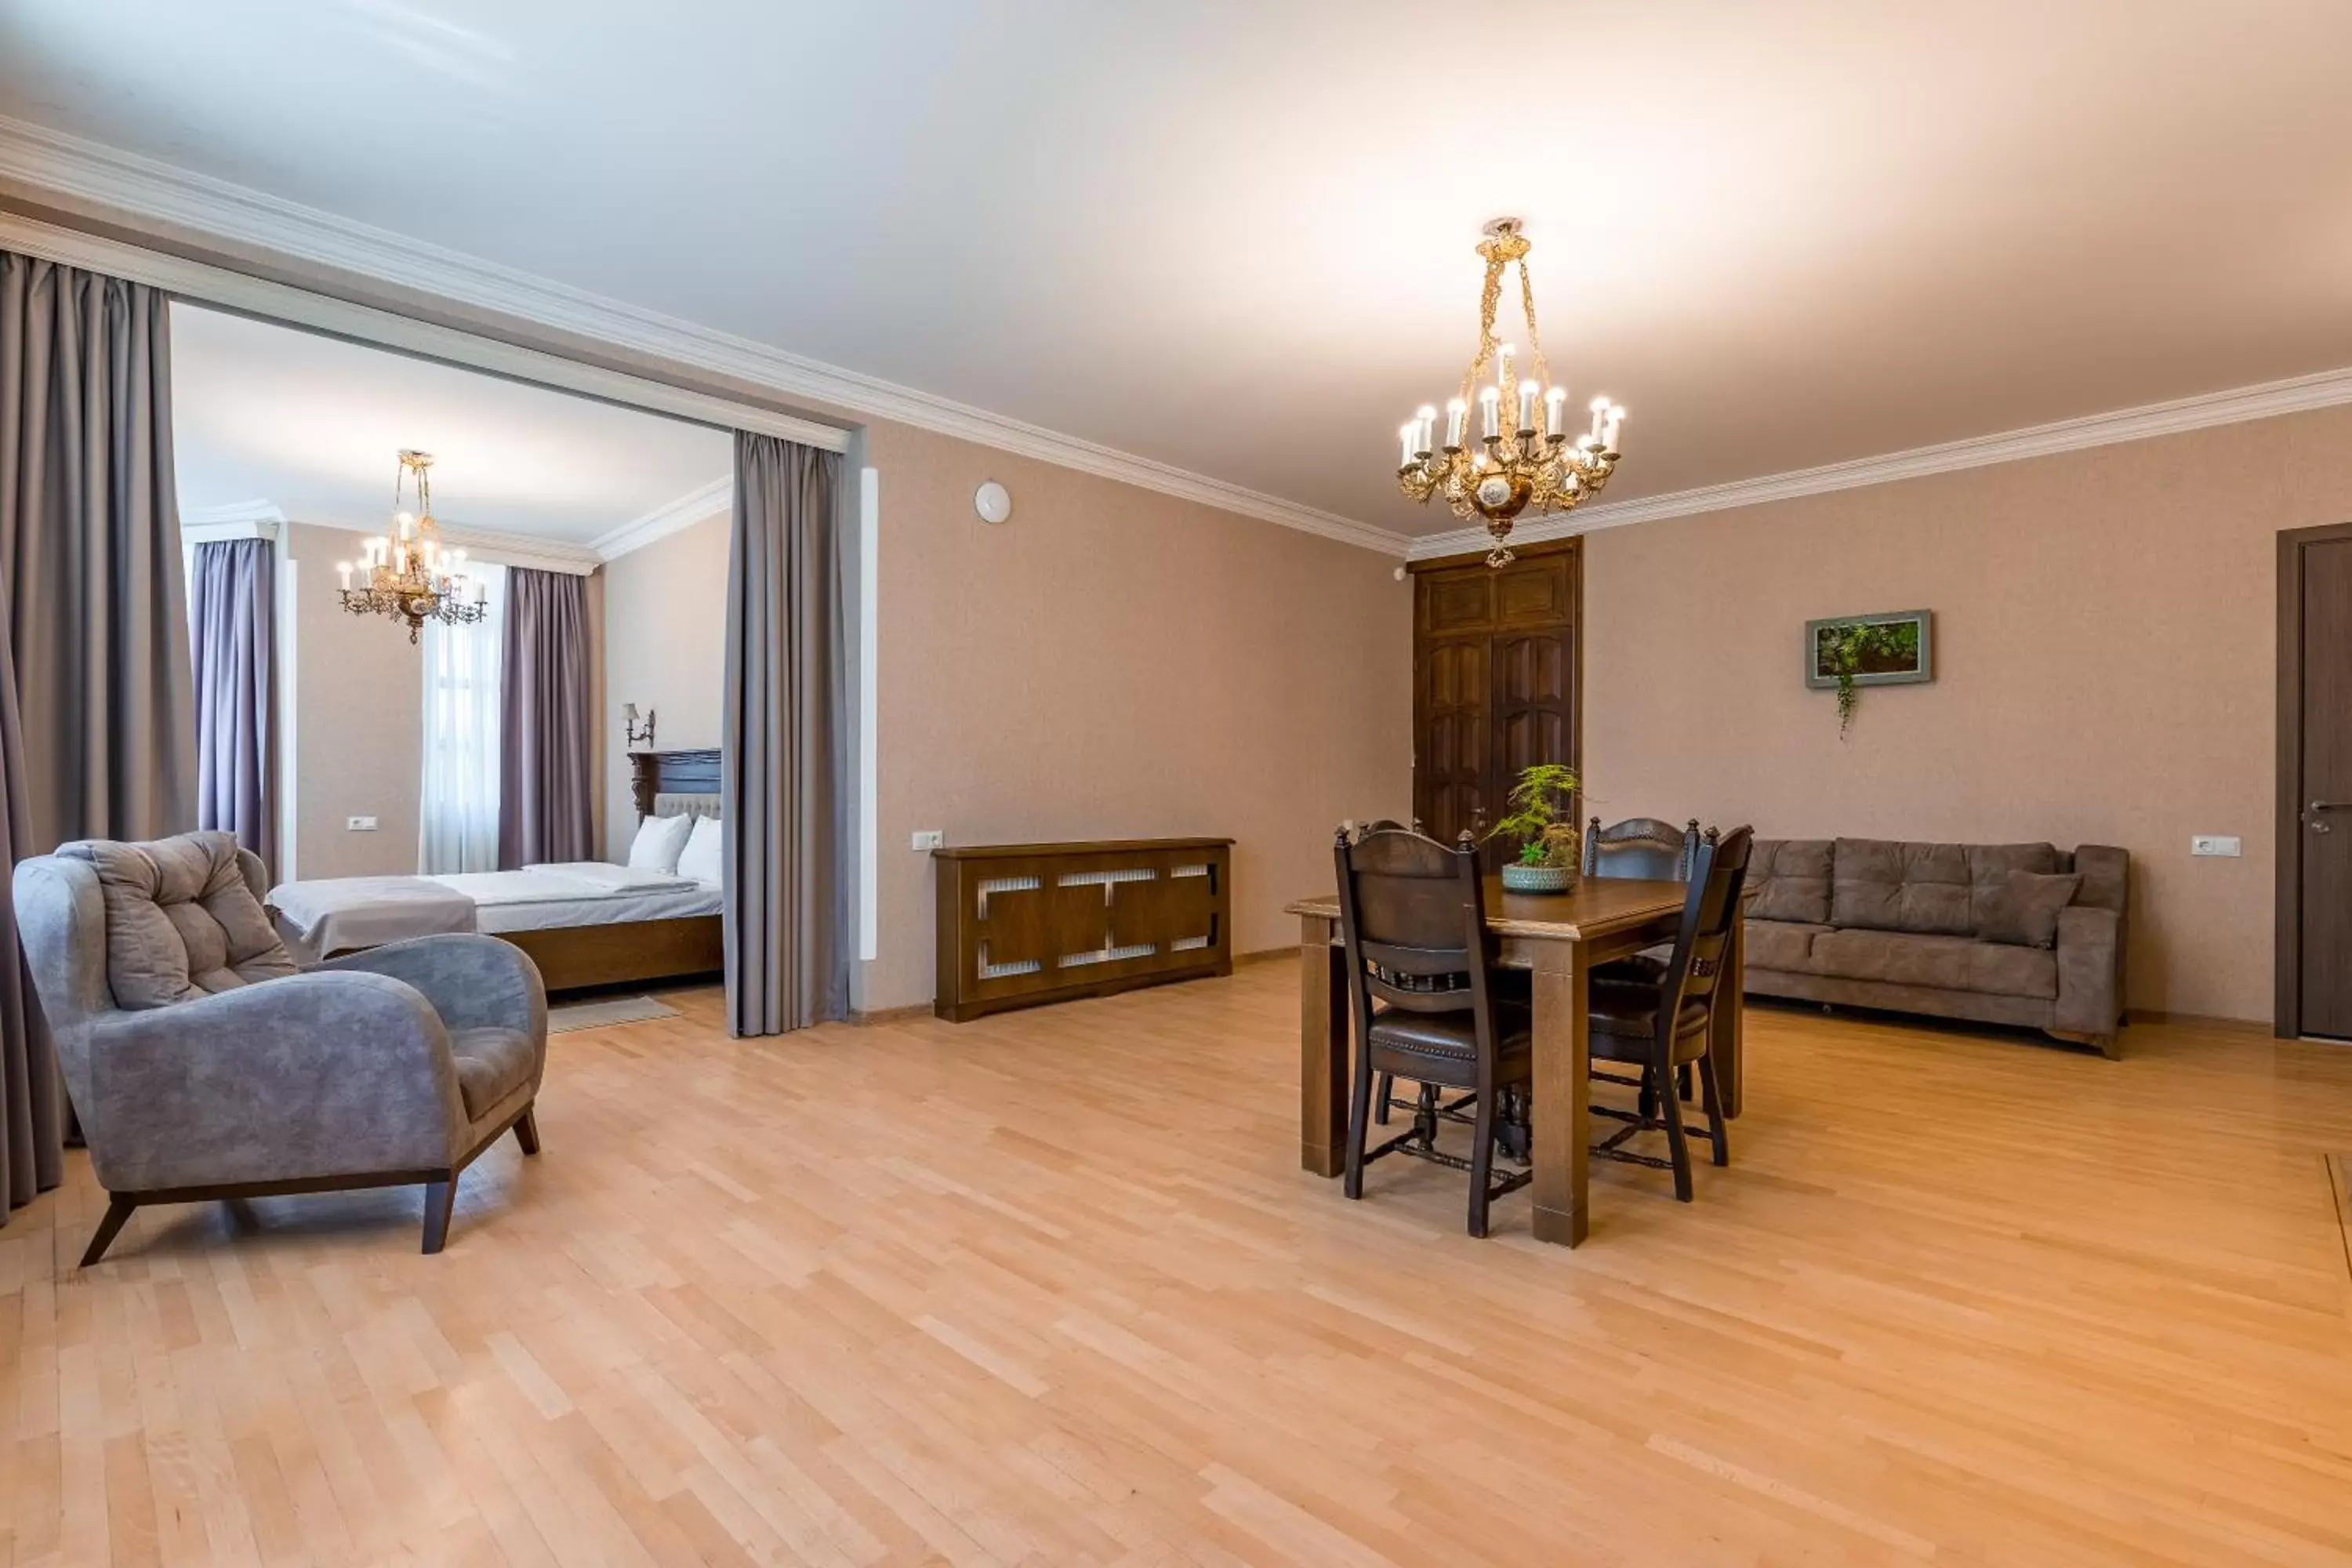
(629, 719)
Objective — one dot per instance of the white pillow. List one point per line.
(704, 857)
(659, 839)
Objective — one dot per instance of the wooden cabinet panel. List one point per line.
(1536, 591)
(1457, 604)
(1494, 684)
(1021, 924)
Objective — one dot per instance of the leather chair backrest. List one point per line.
(1412, 915)
(1641, 846)
(1705, 935)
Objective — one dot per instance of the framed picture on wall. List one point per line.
(1893, 649)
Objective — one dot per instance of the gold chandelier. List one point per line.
(408, 575)
(1528, 460)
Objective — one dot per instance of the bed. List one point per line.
(585, 923)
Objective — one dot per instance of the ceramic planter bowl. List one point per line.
(1520, 878)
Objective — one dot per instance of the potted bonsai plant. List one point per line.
(1540, 820)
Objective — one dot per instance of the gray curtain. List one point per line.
(543, 754)
(232, 611)
(98, 732)
(784, 744)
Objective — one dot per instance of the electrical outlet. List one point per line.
(930, 838)
(2216, 844)
(359, 824)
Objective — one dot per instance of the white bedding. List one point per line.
(579, 893)
(339, 914)
(321, 918)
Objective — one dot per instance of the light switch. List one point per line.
(2216, 844)
(359, 824)
(930, 838)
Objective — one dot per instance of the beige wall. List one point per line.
(2105, 655)
(1117, 663)
(359, 723)
(665, 649)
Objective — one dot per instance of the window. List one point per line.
(459, 814)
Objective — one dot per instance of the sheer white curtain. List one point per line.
(458, 822)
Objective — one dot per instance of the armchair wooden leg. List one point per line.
(1713, 1090)
(1670, 1111)
(118, 1210)
(1359, 1114)
(527, 1129)
(1482, 1164)
(440, 1198)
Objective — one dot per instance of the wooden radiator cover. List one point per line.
(1021, 924)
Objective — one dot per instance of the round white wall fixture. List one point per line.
(992, 501)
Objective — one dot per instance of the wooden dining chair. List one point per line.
(1641, 846)
(1420, 964)
(1663, 1027)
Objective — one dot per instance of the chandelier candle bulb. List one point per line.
(1528, 393)
(1554, 402)
(344, 568)
(1608, 435)
(1426, 421)
(1490, 412)
(1408, 433)
(1456, 412)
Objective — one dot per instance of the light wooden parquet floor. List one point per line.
(1050, 1289)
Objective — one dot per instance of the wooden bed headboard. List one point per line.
(654, 773)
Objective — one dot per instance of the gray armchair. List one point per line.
(203, 1064)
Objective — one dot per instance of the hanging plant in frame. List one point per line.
(1847, 653)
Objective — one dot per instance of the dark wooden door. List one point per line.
(2323, 793)
(1450, 761)
(1494, 686)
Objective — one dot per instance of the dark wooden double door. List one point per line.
(1495, 683)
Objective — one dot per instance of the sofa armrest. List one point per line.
(473, 982)
(314, 1075)
(2105, 871)
(2090, 971)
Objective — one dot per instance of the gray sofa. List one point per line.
(203, 1064)
(1881, 923)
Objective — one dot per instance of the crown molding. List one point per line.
(489, 545)
(145, 189)
(2326, 389)
(249, 514)
(523, 550)
(693, 507)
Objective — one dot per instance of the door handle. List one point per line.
(2331, 806)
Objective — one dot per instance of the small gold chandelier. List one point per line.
(409, 576)
(1530, 460)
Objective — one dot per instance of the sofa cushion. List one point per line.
(1788, 880)
(181, 922)
(491, 1064)
(2024, 910)
(1944, 963)
(1878, 884)
(1781, 944)
(1990, 866)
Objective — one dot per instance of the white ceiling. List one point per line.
(1234, 235)
(314, 425)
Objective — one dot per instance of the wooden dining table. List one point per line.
(1558, 936)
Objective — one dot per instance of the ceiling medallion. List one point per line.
(1528, 460)
(409, 576)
